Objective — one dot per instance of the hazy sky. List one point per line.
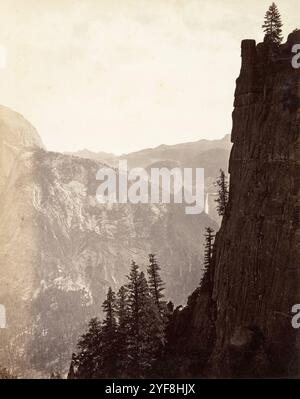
(120, 75)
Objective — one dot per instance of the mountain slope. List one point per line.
(60, 250)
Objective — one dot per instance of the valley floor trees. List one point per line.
(132, 335)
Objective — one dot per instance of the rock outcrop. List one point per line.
(16, 134)
(238, 324)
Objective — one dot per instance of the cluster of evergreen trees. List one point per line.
(130, 340)
(132, 335)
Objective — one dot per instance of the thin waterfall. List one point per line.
(206, 208)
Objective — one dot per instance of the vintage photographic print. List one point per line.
(149, 191)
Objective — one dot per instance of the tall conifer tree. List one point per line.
(156, 285)
(109, 336)
(208, 253)
(223, 193)
(88, 361)
(272, 26)
(145, 328)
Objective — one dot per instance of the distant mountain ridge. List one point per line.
(211, 155)
(182, 152)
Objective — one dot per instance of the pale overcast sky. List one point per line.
(121, 75)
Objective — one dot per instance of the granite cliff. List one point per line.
(238, 323)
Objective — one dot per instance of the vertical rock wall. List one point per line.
(239, 323)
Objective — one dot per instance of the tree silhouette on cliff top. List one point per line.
(272, 26)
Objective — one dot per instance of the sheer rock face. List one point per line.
(257, 264)
(242, 317)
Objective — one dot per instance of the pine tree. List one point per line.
(96, 357)
(152, 327)
(109, 309)
(134, 296)
(145, 325)
(223, 193)
(135, 300)
(208, 252)
(208, 246)
(156, 285)
(109, 336)
(272, 26)
(88, 361)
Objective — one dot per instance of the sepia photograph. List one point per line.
(149, 192)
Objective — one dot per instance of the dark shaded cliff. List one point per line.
(238, 324)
